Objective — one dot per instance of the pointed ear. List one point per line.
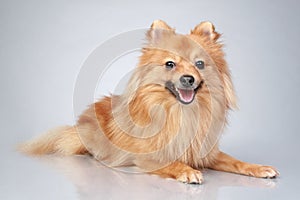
(206, 29)
(159, 24)
(158, 30)
(229, 92)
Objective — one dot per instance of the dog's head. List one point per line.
(186, 65)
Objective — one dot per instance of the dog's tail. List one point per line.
(63, 140)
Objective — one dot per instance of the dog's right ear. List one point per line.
(159, 24)
(158, 30)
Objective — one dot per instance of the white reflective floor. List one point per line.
(81, 177)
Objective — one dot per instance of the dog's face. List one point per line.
(186, 65)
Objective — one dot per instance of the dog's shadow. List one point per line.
(93, 180)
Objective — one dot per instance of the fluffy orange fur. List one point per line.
(147, 126)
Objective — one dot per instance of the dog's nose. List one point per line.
(187, 80)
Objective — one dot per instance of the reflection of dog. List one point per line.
(169, 118)
(95, 180)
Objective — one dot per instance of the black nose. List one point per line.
(187, 80)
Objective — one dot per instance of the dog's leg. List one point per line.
(227, 163)
(180, 172)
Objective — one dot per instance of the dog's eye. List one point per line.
(170, 64)
(199, 64)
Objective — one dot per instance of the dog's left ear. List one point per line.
(206, 29)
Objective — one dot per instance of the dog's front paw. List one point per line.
(261, 171)
(190, 176)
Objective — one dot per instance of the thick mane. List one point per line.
(148, 116)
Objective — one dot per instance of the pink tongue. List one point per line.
(186, 95)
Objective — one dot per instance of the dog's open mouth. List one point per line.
(184, 95)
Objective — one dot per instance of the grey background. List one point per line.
(44, 43)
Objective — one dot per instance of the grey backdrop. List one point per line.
(44, 43)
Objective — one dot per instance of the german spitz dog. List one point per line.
(170, 116)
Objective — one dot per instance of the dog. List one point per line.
(169, 119)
